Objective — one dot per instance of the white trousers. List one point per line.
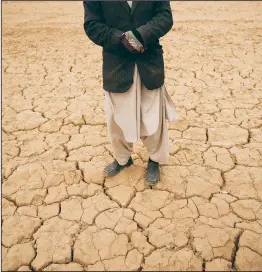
(136, 114)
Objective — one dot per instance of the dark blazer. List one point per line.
(104, 23)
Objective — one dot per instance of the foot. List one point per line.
(114, 168)
(152, 173)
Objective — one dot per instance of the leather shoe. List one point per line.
(114, 168)
(152, 173)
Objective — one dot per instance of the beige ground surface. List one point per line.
(59, 213)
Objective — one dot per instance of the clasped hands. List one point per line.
(132, 43)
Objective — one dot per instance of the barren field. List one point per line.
(60, 213)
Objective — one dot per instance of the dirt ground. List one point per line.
(60, 213)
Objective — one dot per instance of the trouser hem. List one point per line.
(122, 161)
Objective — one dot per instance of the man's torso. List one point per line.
(118, 68)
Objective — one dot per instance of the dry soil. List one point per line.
(59, 213)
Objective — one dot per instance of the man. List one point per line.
(136, 101)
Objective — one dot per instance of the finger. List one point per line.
(129, 46)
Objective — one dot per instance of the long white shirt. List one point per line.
(129, 3)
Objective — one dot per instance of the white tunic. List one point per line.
(136, 111)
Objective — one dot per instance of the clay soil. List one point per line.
(60, 213)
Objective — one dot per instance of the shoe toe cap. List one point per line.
(152, 177)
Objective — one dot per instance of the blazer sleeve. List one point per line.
(159, 25)
(96, 29)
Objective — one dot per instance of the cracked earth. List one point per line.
(58, 211)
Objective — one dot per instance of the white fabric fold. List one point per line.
(136, 111)
(129, 3)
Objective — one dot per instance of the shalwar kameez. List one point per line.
(136, 114)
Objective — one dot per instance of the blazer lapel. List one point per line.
(125, 5)
(134, 6)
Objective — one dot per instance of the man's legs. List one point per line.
(121, 147)
(157, 144)
(138, 113)
(158, 151)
